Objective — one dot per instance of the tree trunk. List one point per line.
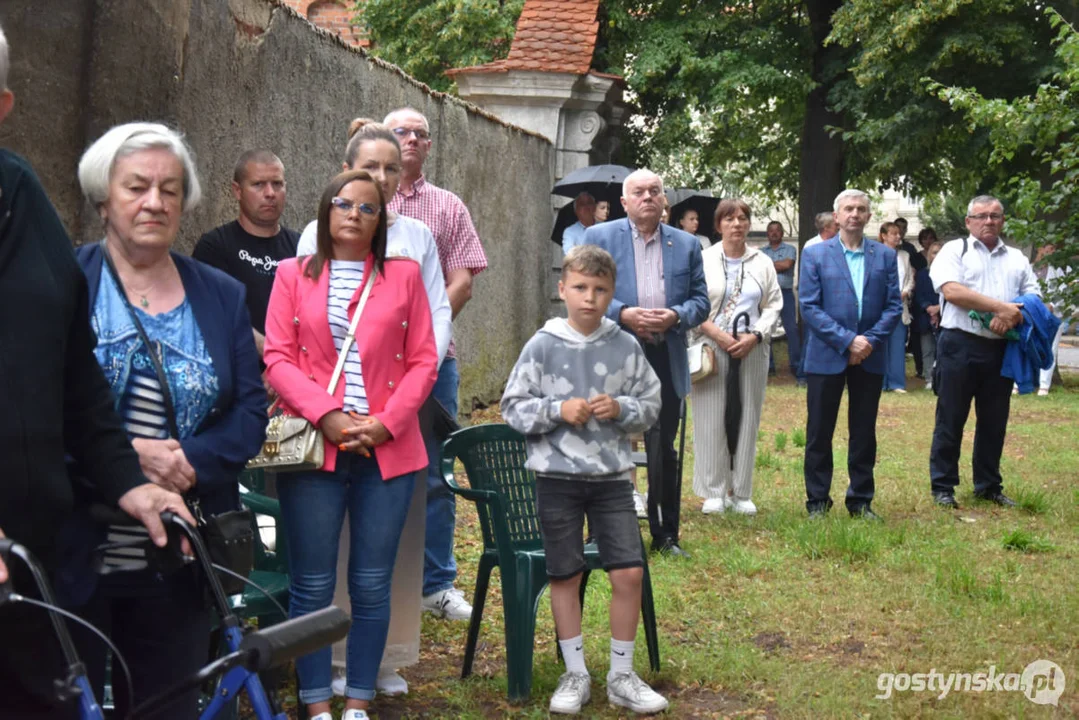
(821, 171)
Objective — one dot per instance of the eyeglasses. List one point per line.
(347, 207)
(982, 217)
(403, 133)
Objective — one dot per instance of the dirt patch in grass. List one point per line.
(771, 642)
(703, 702)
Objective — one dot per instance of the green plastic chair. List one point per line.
(271, 566)
(505, 495)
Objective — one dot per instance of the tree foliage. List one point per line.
(1043, 202)
(425, 38)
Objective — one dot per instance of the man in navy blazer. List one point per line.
(850, 299)
(659, 294)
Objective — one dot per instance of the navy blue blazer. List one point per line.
(683, 281)
(830, 307)
(235, 428)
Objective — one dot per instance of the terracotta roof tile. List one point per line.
(552, 36)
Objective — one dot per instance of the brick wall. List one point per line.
(332, 15)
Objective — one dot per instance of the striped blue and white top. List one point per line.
(346, 276)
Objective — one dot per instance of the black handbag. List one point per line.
(228, 536)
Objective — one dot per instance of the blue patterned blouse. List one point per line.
(190, 372)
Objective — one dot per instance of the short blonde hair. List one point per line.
(97, 163)
(591, 260)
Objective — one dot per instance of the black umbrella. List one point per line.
(700, 200)
(603, 182)
(567, 217)
(732, 419)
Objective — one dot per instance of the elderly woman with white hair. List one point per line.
(174, 340)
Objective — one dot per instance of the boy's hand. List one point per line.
(576, 411)
(605, 407)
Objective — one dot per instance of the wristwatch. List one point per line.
(760, 338)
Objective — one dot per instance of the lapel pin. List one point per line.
(670, 244)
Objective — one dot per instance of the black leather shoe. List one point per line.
(818, 510)
(864, 513)
(670, 548)
(998, 498)
(945, 499)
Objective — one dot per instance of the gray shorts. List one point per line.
(562, 505)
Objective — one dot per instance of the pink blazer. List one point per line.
(396, 346)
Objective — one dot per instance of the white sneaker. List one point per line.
(627, 690)
(900, 391)
(714, 505)
(1042, 392)
(389, 682)
(449, 604)
(354, 714)
(743, 506)
(640, 505)
(573, 691)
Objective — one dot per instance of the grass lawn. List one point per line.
(778, 616)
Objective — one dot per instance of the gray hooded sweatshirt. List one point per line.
(558, 364)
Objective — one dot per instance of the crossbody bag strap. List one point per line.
(351, 336)
(166, 394)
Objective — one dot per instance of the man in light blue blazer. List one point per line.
(849, 292)
(659, 294)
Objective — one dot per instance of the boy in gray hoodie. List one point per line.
(579, 388)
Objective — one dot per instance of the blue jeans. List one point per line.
(789, 317)
(439, 567)
(895, 356)
(313, 507)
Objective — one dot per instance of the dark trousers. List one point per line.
(914, 346)
(969, 369)
(664, 485)
(793, 336)
(162, 628)
(30, 659)
(822, 399)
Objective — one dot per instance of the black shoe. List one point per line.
(945, 499)
(864, 513)
(669, 548)
(802, 384)
(996, 497)
(818, 510)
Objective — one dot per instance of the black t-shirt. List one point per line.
(250, 259)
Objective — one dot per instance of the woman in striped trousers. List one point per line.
(740, 280)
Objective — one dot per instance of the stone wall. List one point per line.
(236, 74)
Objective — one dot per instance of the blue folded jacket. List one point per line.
(1033, 351)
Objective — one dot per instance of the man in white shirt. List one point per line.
(980, 273)
(826, 229)
(584, 207)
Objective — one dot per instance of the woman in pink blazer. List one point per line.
(370, 424)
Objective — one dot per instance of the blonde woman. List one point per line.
(741, 280)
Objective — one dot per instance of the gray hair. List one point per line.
(849, 193)
(5, 60)
(983, 200)
(637, 175)
(414, 111)
(823, 220)
(584, 198)
(97, 163)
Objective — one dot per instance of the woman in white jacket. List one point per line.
(740, 280)
(895, 375)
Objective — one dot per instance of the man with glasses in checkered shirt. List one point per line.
(462, 256)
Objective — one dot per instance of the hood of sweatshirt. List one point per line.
(561, 329)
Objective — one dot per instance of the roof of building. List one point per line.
(557, 36)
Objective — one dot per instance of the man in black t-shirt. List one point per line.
(250, 247)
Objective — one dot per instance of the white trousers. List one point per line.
(712, 475)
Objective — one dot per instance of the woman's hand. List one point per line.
(371, 430)
(743, 346)
(336, 426)
(163, 463)
(723, 339)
